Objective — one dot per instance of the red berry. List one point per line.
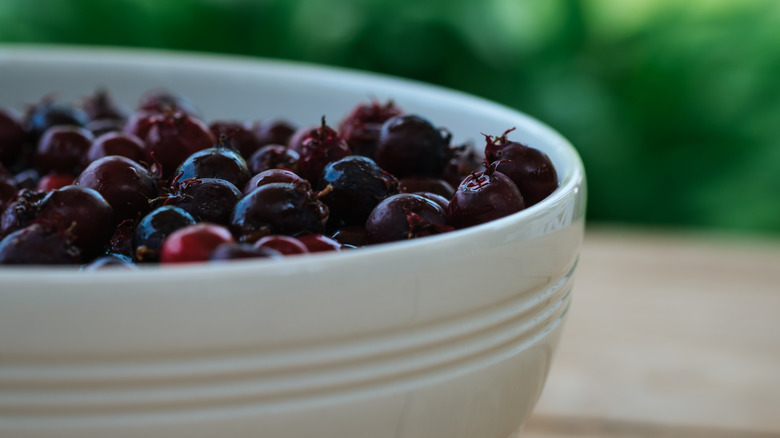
(116, 143)
(318, 148)
(54, 181)
(285, 245)
(483, 197)
(172, 137)
(62, 149)
(529, 168)
(360, 128)
(194, 243)
(319, 243)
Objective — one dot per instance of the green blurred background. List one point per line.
(673, 105)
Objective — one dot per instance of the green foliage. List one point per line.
(674, 106)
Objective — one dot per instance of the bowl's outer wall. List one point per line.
(447, 336)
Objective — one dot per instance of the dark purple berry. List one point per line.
(411, 145)
(111, 261)
(351, 236)
(47, 113)
(443, 202)
(423, 183)
(125, 184)
(20, 211)
(236, 251)
(274, 132)
(82, 211)
(530, 169)
(116, 143)
(352, 187)
(172, 137)
(38, 244)
(164, 101)
(27, 179)
(62, 149)
(237, 136)
(483, 197)
(275, 176)
(206, 199)
(215, 162)
(278, 208)
(121, 242)
(273, 156)
(318, 148)
(465, 160)
(99, 127)
(405, 216)
(361, 127)
(153, 228)
(100, 106)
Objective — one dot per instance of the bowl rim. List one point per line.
(571, 176)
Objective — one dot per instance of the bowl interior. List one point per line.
(239, 88)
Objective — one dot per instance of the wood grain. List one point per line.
(669, 334)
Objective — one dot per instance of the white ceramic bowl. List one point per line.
(442, 337)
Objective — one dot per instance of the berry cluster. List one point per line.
(98, 185)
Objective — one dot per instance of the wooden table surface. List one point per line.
(668, 335)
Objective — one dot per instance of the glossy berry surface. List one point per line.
(125, 184)
(83, 212)
(483, 197)
(405, 216)
(215, 162)
(278, 208)
(62, 149)
(116, 143)
(206, 199)
(320, 243)
(352, 187)
(275, 176)
(194, 243)
(38, 244)
(153, 228)
(54, 181)
(239, 251)
(285, 245)
(530, 169)
(411, 145)
(111, 186)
